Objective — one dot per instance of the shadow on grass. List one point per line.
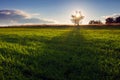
(69, 57)
(66, 57)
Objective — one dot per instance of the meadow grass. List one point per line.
(60, 53)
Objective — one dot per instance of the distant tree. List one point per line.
(117, 19)
(110, 20)
(91, 22)
(95, 22)
(77, 18)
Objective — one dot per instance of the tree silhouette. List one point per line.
(110, 20)
(95, 22)
(77, 18)
(117, 20)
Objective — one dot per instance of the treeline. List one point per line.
(109, 20)
(95, 22)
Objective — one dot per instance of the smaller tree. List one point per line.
(91, 22)
(95, 22)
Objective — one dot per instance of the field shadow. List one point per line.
(72, 57)
(69, 57)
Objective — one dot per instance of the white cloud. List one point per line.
(11, 17)
(113, 15)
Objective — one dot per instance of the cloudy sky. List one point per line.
(54, 11)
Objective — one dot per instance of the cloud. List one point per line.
(113, 15)
(14, 17)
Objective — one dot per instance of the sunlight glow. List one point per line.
(77, 15)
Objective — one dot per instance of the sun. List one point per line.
(77, 15)
(77, 18)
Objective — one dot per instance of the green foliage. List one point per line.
(59, 54)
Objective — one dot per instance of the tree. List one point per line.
(91, 22)
(95, 22)
(117, 20)
(77, 18)
(110, 20)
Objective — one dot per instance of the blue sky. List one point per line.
(61, 10)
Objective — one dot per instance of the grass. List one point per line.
(60, 53)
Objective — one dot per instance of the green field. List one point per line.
(60, 53)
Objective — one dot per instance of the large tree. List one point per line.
(110, 20)
(117, 20)
(77, 18)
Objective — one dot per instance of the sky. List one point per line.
(55, 11)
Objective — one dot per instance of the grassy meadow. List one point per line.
(73, 53)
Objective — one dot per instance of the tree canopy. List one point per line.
(77, 18)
